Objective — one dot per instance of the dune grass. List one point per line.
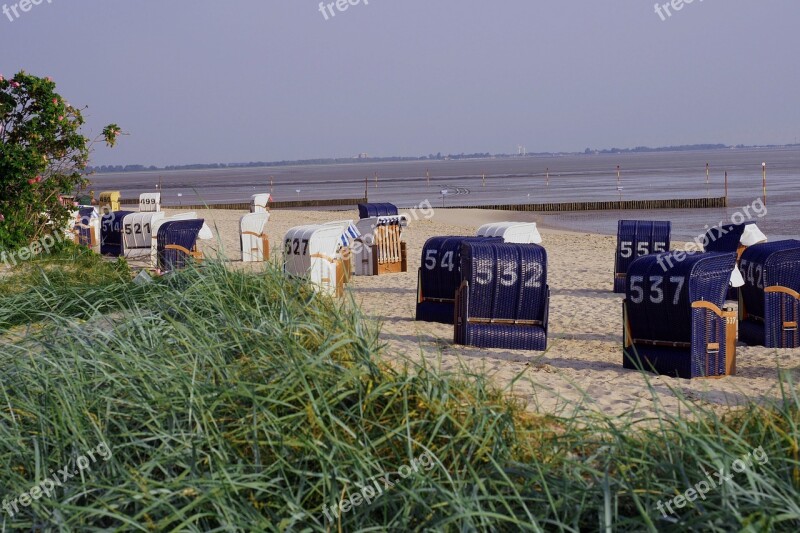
(240, 402)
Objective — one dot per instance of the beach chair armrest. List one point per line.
(783, 290)
(711, 307)
(196, 255)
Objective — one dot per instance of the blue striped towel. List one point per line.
(349, 235)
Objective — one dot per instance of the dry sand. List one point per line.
(582, 369)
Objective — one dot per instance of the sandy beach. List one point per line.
(582, 369)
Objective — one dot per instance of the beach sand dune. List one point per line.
(582, 369)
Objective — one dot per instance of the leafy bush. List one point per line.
(42, 155)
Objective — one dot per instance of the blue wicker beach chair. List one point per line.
(376, 210)
(636, 238)
(769, 305)
(733, 238)
(674, 322)
(503, 300)
(440, 276)
(177, 241)
(111, 233)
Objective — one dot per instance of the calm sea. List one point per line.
(516, 180)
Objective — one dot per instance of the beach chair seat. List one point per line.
(512, 232)
(150, 202)
(381, 249)
(674, 322)
(111, 242)
(311, 252)
(439, 277)
(254, 240)
(503, 300)
(733, 238)
(376, 210)
(259, 203)
(177, 243)
(769, 303)
(137, 233)
(636, 238)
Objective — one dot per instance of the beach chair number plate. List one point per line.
(656, 288)
(533, 272)
(757, 279)
(136, 229)
(293, 246)
(447, 260)
(626, 249)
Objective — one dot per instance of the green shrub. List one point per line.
(42, 155)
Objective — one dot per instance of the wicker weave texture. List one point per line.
(636, 238)
(770, 318)
(670, 336)
(111, 233)
(181, 233)
(440, 276)
(376, 210)
(504, 298)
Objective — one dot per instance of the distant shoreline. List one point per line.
(118, 169)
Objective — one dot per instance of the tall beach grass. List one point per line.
(241, 402)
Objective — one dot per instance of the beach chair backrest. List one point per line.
(512, 232)
(156, 225)
(661, 289)
(259, 203)
(507, 282)
(440, 277)
(771, 273)
(177, 240)
(150, 202)
(440, 266)
(636, 238)
(731, 237)
(137, 233)
(254, 242)
(376, 210)
(311, 251)
(111, 242)
(109, 202)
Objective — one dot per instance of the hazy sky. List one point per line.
(250, 80)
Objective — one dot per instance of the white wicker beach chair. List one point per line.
(512, 232)
(150, 202)
(311, 251)
(138, 234)
(254, 241)
(259, 203)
